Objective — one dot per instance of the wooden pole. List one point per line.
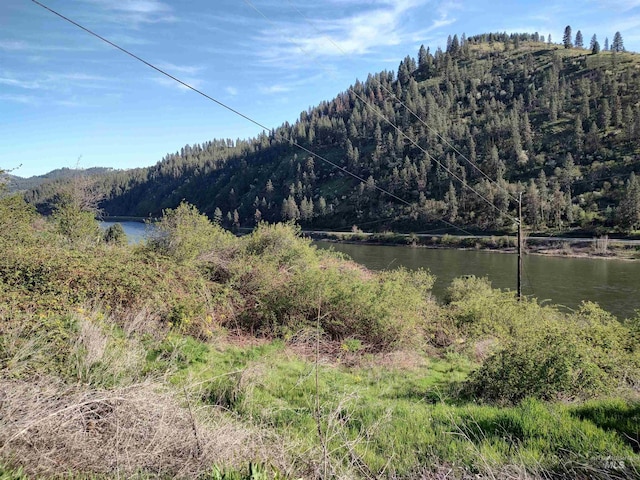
(520, 247)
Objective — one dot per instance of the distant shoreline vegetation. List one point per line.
(602, 247)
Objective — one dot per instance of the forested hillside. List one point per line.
(17, 184)
(502, 113)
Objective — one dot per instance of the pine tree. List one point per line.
(629, 207)
(606, 44)
(594, 40)
(217, 216)
(532, 205)
(566, 39)
(617, 45)
(290, 209)
(578, 135)
(579, 42)
(604, 114)
(236, 219)
(451, 202)
(306, 209)
(322, 205)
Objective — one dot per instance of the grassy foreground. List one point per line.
(203, 355)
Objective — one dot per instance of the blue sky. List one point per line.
(67, 99)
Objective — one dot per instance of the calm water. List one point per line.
(614, 284)
(135, 231)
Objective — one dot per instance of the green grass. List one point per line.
(400, 417)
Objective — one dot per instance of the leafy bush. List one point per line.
(77, 226)
(481, 312)
(284, 283)
(538, 351)
(115, 234)
(17, 219)
(185, 234)
(548, 363)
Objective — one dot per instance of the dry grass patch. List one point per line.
(49, 428)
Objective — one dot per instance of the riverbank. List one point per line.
(602, 247)
(205, 355)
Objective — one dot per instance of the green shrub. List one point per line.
(115, 235)
(75, 225)
(284, 282)
(538, 351)
(185, 234)
(462, 287)
(579, 356)
(549, 362)
(17, 219)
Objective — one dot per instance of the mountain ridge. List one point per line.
(560, 124)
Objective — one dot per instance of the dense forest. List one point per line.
(17, 184)
(456, 134)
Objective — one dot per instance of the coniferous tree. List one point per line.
(217, 216)
(606, 44)
(629, 208)
(604, 114)
(594, 40)
(578, 135)
(236, 219)
(451, 202)
(566, 39)
(532, 205)
(617, 45)
(579, 42)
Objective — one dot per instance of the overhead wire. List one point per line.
(422, 121)
(236, 112)
(399, 131)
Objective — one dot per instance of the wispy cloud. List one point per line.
(289, 84)
(619, 6)
(180, 69)
(368, 28)
(25, 84)
(12, 45)
(271, 89)
(23, 46)
(169, 83)
(233, 91)
(136, 11)
(186, 73)
(52, 81)
(24, 99)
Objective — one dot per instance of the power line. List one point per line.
(431, 129)
(398, 130)
(246, 117)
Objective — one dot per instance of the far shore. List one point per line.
(602, 248)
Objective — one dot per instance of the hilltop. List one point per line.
(503, 113)
(16, 183)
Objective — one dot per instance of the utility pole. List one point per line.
(520, 247)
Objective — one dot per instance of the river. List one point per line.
(614, 284)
